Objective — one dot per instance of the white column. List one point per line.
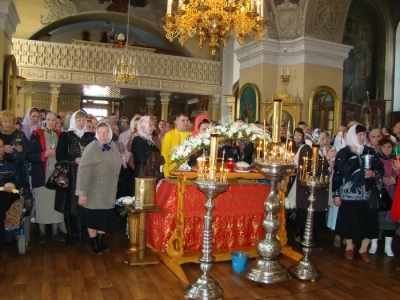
(165, 98)
(230, 74)
(216, 108)
(150, 104)
(55, 92)
(230, 106)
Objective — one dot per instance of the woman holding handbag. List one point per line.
(351, 190)
(97, 187)
(69, 149)
(42, 156)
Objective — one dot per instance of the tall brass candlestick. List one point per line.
(315, 159)
(213, 155)
(277, 118)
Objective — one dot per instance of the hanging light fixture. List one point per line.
(124, 70)
(215, 21)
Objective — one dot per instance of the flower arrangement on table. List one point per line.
(122, 202)
(231, 131)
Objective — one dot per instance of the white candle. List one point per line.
(169, 7)
(262, 9)
(252, 5)
(258, 6)
(281, 72)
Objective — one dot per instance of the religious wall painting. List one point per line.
(360, 68)
(350, 112)
(247, 104)
(378, 108)
(287, 119)
(323, 109)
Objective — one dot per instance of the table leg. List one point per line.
(133, 230)
(143, 256)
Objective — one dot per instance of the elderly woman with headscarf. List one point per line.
(31, 122)
(70, 148)
(143, 144)
(201, 124)
(123, 124)
(41, 154)
(15, 145)
(351, 189)
(97, 186)
(388, 227)
(126, 182)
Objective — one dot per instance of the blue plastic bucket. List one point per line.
(239, 261)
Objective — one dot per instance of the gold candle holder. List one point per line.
(277, 119)
(314, 159)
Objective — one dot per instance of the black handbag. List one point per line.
(59, 179)
(374, 200)
(385, 199)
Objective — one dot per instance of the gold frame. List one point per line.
(237, 104)
(336, 106)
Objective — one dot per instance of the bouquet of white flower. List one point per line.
(123, 211)
(121, 37)
(230, 131)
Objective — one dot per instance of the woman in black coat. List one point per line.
(351, 189)
(70, 148)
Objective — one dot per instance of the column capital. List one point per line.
(55, 89)
(165, 97)
(215, 101)
(303, 50)
(9, 18)
(150, 101)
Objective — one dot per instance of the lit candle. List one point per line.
(301, 172)
(262, 9)
(290, 147)
(258, 6)
(169, 7)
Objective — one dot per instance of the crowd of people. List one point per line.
(106, 155)
(344, 207)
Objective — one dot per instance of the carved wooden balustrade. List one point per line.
(83, 64)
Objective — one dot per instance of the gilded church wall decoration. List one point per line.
(324, 108)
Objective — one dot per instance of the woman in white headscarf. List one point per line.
(31, 122)
(70, 148)
(351, 188)
(97, 187)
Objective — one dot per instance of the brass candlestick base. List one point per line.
(306, 269)
(267, 268)
(206, 287)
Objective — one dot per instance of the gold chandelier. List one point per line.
(124, 70)
(215, 20)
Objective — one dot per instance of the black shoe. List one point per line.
(95, 246)
(100, 241)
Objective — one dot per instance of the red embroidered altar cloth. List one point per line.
(237, 216)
